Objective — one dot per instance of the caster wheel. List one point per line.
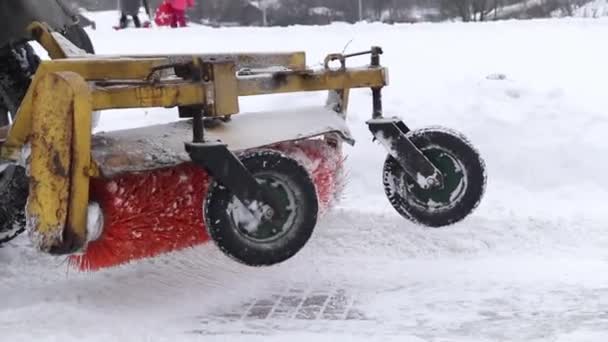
(13, 196)
(464, 180)
(265, 242)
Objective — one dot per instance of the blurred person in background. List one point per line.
(129, 8)
(178, 9)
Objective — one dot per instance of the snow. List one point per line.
(94, 221)
(156, 146)
(528, 265)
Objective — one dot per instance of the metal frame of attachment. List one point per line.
(58, 128)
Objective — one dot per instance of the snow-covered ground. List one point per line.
(529, 265)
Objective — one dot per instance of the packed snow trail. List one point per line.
(362, 276)
(529, 265)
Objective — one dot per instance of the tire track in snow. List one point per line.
(371, 269)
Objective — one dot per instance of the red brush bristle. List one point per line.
(325, 165)
(147, 214)
(151, 213)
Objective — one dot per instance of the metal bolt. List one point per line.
(268, 213)
(432, 182)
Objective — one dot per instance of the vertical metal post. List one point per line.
(198, 128)
(197, 115)
(376, 91)
(202, 72)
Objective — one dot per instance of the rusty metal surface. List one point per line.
(59, 160)
(295, 60)
(319, 80)
(225, 90)
(81, 160)
(169, 94)
(50, 160)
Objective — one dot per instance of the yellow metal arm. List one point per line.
(60, 162)
(312, 81)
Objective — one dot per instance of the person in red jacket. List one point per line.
(179, 12)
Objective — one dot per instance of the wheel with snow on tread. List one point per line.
(13, 196)
(18, 64)
(463, 173)
(79, 37)
(270, 241)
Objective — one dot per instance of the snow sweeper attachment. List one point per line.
(253, 183)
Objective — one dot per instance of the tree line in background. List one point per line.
(308, 12)
(482, 10)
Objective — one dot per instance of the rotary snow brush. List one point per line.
(150, 213)
(255, 184)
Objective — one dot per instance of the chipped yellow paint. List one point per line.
(60, 161)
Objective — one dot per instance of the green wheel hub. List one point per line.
(454, 180)
(282, 217)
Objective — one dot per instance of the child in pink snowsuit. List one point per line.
(179, 11)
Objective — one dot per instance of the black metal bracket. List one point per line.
(226, 168)
(376, 92)
(391, 132)
(375, 52)
(214, 156)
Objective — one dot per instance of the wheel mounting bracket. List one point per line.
(226, 168)
(392, 134)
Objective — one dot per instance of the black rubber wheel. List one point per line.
(18, 64)
(13, 196)
(79, 37)
(255, 243)
(4, 116)
(464, 180)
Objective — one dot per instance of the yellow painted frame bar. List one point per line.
(42, 33)
(295, 60)
(60, 162)
(142, 96)
(317, 81)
